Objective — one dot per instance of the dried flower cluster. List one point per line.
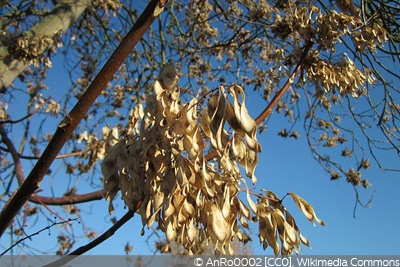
(327, 30)
(107, 6)
(342, 76)
(166, 174)
(30, 49)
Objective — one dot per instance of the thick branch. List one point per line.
(68, 200)
(70, 122)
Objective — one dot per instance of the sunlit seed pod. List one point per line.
(268, 227)
(158, 89)
(232, 120)
(247, 122)
(244, 222)
(304, 240)
(168, 77)
(175, 95)
(170, 233)
(209, 189)
(252, 204)
(199, 199)
(306, 208)
(181, 217)
(174, 109)
(286, 248)
(245, 211)
(158, 199)
(226, 205)
(252, 143)
(205, 175)
(205, 122)
(188, 209)
(226, 164)
(291, 233)
(219, 225)
(169, 211)
(191, 231)
(191, 111)
(237, 149)
(154, 217)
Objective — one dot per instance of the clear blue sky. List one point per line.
(284, 165)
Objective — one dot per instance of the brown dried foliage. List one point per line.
(193, 200)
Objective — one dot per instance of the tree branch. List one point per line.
(278, 96)
(18, 120)
(56, 201)
(110, 232)
(67, 155)
(68, 200)
(70, 122)
(38, 232)
(14, 154)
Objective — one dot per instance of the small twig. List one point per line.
(36, 233)
(67, 155)
(287, 194)
(95, 242)
(18, 120)
(47, 207)
(204, 96)
(261, 195)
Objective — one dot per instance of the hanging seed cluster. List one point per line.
(167, 174)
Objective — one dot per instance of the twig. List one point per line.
(69, 123)
(18, 120)
(260, 195)
(47, 207)
(94, 243)
(71, 154)
(36, 233)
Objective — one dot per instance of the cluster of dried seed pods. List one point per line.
(194, 199)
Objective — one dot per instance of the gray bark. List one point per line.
(56, 22)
